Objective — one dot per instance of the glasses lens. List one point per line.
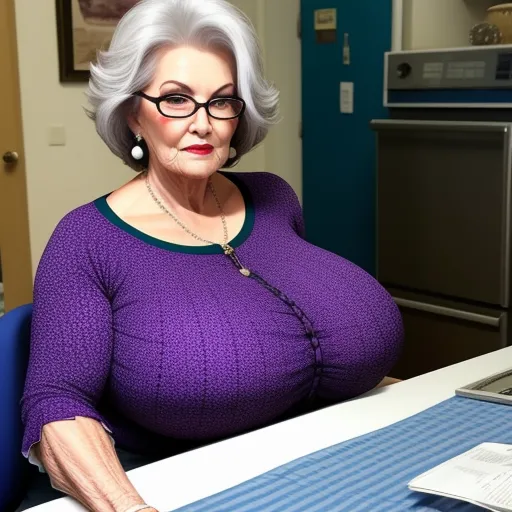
(225, 108)
(177, 106)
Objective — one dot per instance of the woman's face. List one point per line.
(202, 74)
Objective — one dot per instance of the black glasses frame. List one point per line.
(159, 99)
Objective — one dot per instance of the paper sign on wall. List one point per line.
(325, 25)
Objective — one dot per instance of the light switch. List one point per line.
(56, 135)
(347, 97)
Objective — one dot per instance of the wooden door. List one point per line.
(15, 261)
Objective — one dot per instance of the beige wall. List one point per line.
(283, 147)
(255, 160)
(276, 24)
(59, 178)
(440, 23)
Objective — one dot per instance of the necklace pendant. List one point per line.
(227, 249)
(245, 272)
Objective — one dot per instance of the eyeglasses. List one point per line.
(178, 106)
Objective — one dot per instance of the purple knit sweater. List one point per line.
(161, 341)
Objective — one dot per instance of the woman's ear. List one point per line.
(133, 123)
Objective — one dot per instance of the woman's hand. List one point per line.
(136, 508)
(81, 461)
(387, 381)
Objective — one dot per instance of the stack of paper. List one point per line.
(482, 476)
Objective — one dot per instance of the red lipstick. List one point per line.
(199, 149)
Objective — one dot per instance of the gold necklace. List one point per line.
(228, 250)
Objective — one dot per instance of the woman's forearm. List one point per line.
(81, 461)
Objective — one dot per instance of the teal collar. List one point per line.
(104, 208)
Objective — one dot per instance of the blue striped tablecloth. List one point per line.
(370, 473)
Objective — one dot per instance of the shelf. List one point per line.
(429, 24)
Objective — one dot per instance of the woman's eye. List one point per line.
(219, 103)
(176, 100)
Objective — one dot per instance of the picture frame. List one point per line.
(83, 28)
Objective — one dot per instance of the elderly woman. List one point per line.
(186, 306)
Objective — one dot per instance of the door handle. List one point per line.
(11, 157)
(449, 312)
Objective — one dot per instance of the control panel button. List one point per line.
(403, 70)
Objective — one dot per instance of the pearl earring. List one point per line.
(232, 152)
(137, 151)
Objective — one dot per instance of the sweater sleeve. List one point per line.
(71, 340)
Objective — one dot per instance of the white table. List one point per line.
(185, 478)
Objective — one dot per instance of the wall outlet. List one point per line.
(347, 97)
(56, 135)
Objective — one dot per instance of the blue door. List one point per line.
(339, 149)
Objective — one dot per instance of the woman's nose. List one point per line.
(201, 122)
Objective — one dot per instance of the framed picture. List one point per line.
(83, 28)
